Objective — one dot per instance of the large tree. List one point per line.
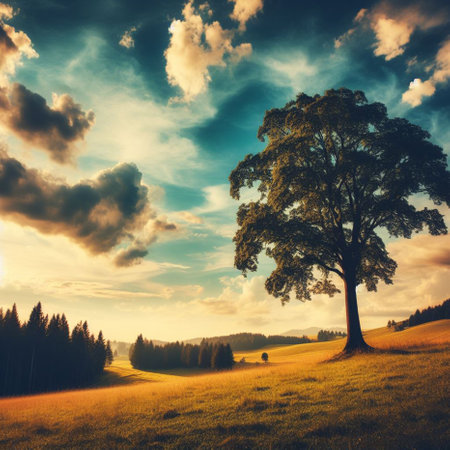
(335, 172)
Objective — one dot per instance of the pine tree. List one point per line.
(137, 352)
(36, 330)
(204, 357)
(109, 354)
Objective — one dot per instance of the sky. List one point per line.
(122, 120)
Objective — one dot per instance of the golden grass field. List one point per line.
(298, 400)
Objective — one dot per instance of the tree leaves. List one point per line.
(334, 172)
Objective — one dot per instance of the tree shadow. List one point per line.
(415, 349)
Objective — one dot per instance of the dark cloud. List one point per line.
(54, 129)
(130, 256)
(14, 44)
(97, 214)
(139, 248)
(7, 48)
(163, 225)
(440, 259)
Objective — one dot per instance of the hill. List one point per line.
(382, 400)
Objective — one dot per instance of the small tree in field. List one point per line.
(335, 171)
(265, 357)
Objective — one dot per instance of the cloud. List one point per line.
(422, 251)
(246, 297)
(194, 47)
(6, 11)
(421, 280)
(97, 214)
(127, 40)
(56, 269)
(391, 36)
(291, 68)
(217, 198)
(393, 26)
(132, 255)
(417, 90)
(221, 258)
(13, 45)
(138, 249)
(244, 10)
(440, 74)
(54, 129)
(442, 68)
(188, 217)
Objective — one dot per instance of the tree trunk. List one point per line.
(355, 340)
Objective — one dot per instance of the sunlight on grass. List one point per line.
(295, 401)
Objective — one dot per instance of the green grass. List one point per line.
(382, 400)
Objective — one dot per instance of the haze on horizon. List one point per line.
(124, 121)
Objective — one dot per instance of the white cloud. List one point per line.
(217, 198)
(244, 10)
(440, 74)
(131, 125)
(220, 210)
(392, 36)
(127, 39)
(219, 259)
(137, 129)
(6, 11)
(417, 90)
(393, 26)
(289, 67)
(243, 304)
(196, 46)
(188, 217)
(240, 296)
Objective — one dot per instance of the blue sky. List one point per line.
(165, 98)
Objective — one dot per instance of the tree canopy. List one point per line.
(335, 171)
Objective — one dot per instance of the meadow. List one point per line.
(395, 398)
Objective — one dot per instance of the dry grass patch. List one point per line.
(381, 400)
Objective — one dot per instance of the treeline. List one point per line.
(429, 314)
(42, 355)
(145, 355)
(326, 335)
(120, 347)
(252, 341)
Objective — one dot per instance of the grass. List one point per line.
(381, 400)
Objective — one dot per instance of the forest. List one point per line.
(145, 355)
(327, 335)
(42, 355)
(430, 314)
(253, 341)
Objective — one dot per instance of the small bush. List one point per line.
(171, 414)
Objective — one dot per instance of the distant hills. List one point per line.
(123, 347)
(311, 331)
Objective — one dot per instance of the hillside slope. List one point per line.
(369, 401)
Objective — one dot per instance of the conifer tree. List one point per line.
(109, 354)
